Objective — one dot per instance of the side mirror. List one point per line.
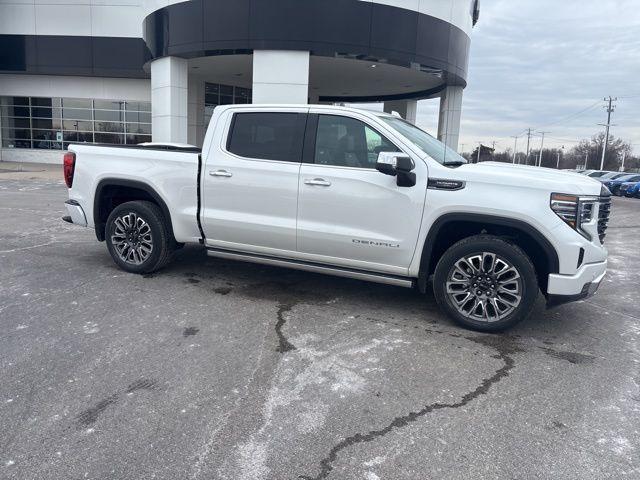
(399, 165)
(387, 163)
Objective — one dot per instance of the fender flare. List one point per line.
(481, 219)
(120, 182)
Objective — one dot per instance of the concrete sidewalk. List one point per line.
(31, 171)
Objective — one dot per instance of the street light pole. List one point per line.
(610, 110)
(515, 147)
(528, 142)
(541, 147)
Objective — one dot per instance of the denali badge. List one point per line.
(376, 244)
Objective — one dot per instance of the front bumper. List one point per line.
(569, 288)
(76, 213)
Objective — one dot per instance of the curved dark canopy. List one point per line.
(329, 28)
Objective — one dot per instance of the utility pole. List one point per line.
(610, 110)
(586, 160)
(558, 161)
(528, 142)
(541, 147)
(624, 155)
(515, 146)
(479, 148)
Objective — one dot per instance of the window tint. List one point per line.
(268, 136)
(346, 142)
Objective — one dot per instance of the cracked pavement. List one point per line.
(219, 370)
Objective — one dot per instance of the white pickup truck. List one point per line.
(352, 193)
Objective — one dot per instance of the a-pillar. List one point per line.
(449, 119)
(195, 111)
(408, 109)
(280, 76)
(169, 100)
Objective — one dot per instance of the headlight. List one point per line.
(574, 210)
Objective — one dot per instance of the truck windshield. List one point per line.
(425, 142)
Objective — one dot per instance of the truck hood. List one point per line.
(530, 177)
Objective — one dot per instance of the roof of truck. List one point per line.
(268, 106)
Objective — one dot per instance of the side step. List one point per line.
(312, 267)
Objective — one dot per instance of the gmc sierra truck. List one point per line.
(352, 193)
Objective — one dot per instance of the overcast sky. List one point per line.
(536, 62)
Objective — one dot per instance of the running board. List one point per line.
(311, 267)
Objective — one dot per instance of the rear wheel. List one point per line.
(485, 283)
(138, 238)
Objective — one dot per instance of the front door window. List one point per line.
(347, 142)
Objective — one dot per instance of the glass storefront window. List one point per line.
(76, 114)
(54, 123)
(135, 139)
(113, 127)
(109, 138)
(216, 94)
(138, 117)
(110, 115)
(144, 128)
(138, 106)
(77, 103)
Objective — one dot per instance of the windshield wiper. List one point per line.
(453, 163)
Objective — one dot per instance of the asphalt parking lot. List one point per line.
(220, 370)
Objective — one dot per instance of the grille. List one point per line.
(603, 216)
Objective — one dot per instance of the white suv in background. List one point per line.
(352, 193)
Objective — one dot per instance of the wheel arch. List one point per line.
(111, 192)
(452, 227)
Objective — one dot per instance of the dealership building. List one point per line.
(132, 71)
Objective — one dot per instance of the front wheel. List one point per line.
(138, 237)
(485, 283)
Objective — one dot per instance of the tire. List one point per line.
(142, 225)
(501, 298)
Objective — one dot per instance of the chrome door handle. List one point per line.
(321, 182)
(221, 173)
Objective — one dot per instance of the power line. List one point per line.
(566, 140)
(571, 116)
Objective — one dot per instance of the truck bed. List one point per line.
(167, 172)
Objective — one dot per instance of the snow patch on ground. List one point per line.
(302, 377)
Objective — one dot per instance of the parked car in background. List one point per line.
(610, 176)
(629, 189)
(598, 174)
(614, 184)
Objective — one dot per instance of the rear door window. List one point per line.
(267, 136)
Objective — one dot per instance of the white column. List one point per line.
(169, 100)
(450, 113)
(195, 111)
(280, 76)
(1, 146)
(408, 109)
